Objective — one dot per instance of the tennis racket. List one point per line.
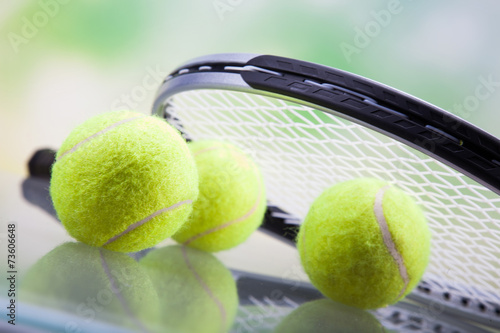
(310, 126)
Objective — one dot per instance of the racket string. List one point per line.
(303, 151)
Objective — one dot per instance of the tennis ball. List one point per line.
(232, 199)
(364, 243)
(92, 283)
(123, 181)
(326, 316)
(197, 293)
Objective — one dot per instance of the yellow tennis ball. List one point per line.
(197, 293)
(123, 181)
(364, 243)
(232, 199)
(326, 316)
(90, 284)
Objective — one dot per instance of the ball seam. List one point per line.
(116, 291)
(207, 289)
(230, 223)
(145, 220)
(101, 132)
(387, 238)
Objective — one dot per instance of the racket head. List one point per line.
(304, 144)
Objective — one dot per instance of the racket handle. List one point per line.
(40, 164)
(277, 223)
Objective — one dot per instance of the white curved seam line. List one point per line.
(143, 221)
(228, 224)
(388, 241)
(116, 291)
(110, 127)
(207, 289)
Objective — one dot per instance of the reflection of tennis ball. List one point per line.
(92, 283)
(232, 199)
(197, 293)
(326, 316)
(123, 181)
(364, 243)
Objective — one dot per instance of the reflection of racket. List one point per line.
(267, 301)
(310, 126)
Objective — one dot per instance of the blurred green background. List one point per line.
(62, 61)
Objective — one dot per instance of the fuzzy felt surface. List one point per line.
(342, 246)
(232, 199)
(123, 181)
(326, 316)
(197, 292)
(89, 282)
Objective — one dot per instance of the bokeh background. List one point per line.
(62, 61)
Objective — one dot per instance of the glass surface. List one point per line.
(65, 286)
